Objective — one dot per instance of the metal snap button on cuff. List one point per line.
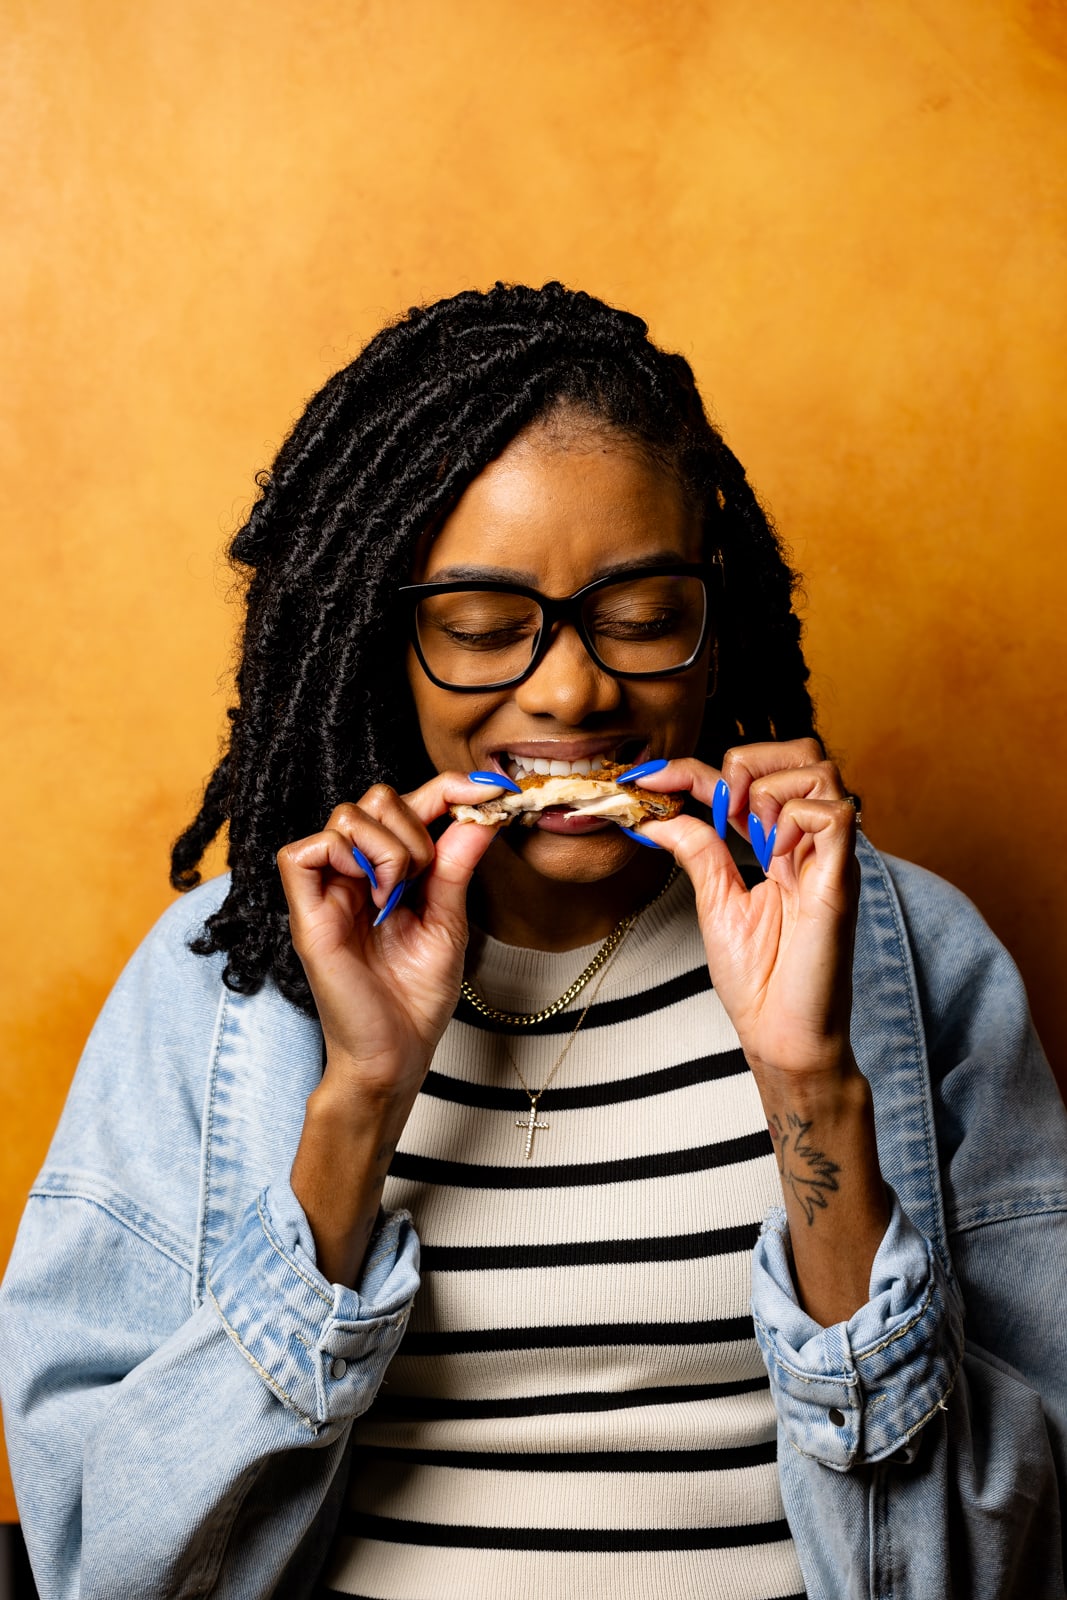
(339, 1367)
(837, 1417)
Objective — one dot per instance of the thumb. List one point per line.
(702, 855)
(445, 884)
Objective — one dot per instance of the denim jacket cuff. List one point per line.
(322, 1348)
(859, 1391)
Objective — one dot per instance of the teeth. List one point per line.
(524, 766)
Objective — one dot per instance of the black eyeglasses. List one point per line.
(649, 623)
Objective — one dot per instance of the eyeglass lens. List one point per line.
(638, 625)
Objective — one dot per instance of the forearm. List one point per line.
(339, 1172)
(835, 1199)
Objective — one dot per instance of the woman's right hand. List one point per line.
(384, 994)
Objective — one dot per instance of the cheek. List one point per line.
(447, 722)
(439, 738)
(678, 708)
(422, 694)
(431, 714)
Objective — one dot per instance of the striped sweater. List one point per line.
(578, 1408)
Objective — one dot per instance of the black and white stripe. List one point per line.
(578, 1406)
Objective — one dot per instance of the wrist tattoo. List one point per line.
(807, 1172)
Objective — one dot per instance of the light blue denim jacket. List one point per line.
(179, 1381)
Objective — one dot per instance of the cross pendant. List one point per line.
(531, 1124)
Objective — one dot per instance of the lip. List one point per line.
(568, 749)
(560, 822)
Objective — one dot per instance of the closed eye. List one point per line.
(637, 628)
(486, 639)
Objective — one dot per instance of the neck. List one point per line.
(519, 906)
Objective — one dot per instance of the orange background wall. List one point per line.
(852, 218)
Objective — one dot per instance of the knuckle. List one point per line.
(407, 810)
(343, 816)
(689, 838)
(735, 765)
(331, 832)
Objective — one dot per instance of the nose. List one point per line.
(568, 685)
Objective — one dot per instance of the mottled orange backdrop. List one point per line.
(851, 218)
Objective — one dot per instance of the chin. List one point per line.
(574, 858)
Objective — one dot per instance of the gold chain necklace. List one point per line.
(519, 1019)
(531, 1123)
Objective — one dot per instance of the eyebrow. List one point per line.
(466, 574)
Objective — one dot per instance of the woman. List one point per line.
(506, 535)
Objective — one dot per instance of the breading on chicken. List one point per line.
(595, 794)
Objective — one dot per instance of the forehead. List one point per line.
(554, 512)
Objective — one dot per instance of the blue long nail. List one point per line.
(494, 780)
(368, 866)
(771, 837)
(391, 903)
(720, 808)
(645, 770)
(757, 836)
(631, 834)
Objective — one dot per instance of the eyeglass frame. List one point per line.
(567, 610)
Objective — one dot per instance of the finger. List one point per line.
(308, 866)
(432, 800)
(444, 887)
(746, 764)
(390, 829)
(828, 829)
(367, 864)
(822, 781)
(767, 796)
(392, 841)
(701, 854)
(687, 775)
(682, 775)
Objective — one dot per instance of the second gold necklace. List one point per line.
(532, 1123)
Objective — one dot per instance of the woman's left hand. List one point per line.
(780, 955)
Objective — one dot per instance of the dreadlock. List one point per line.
(382, 453)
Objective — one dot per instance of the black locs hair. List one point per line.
(381, 454)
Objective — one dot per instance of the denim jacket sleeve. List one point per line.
(923, 1444)
(151, 1411)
